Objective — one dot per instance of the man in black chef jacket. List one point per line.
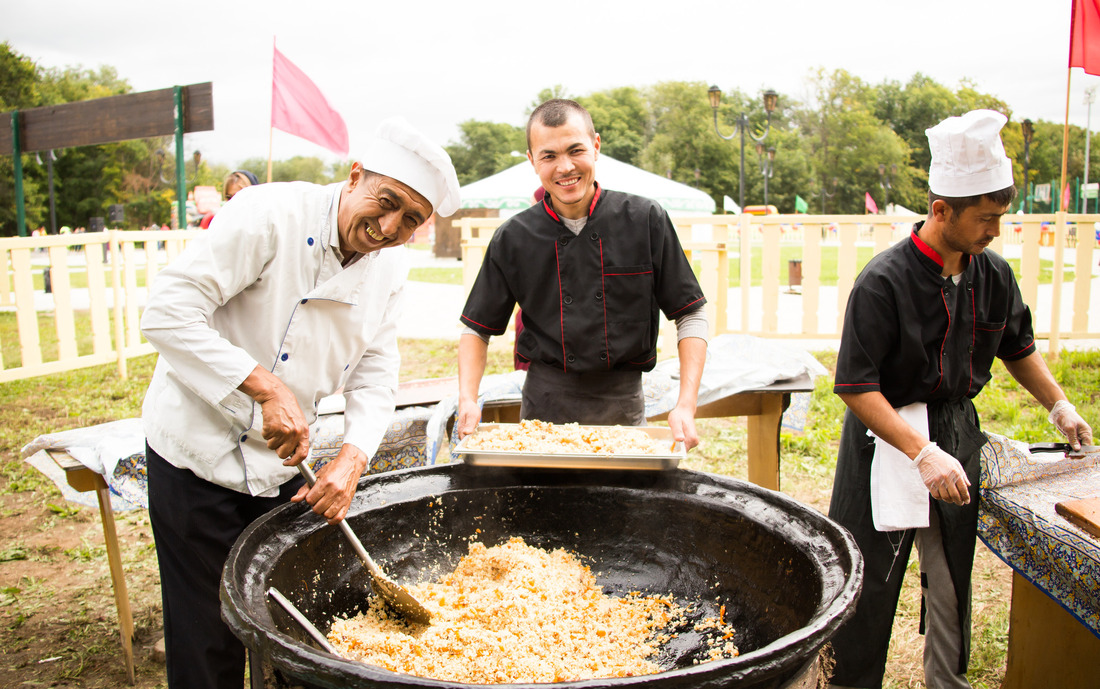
(924, 321)
(591, 269)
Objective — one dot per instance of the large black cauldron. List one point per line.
(787, 575)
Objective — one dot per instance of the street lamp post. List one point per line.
(771, 98)
(1028, 130)
(886, 181)
(826, 195)
(767, 168)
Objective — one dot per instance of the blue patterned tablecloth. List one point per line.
(1018, 522)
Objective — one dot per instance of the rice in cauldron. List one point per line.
(515, 613)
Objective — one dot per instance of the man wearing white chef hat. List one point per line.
(286, 298)
(924, 322)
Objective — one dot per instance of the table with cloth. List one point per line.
(1054, 632)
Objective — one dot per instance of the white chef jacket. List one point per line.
(264, 286)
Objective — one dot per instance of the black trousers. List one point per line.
(195, 524)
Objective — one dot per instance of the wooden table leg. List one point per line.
(763, 441)
(118, 578)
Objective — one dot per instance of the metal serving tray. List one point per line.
(669, 460)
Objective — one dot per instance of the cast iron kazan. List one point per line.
(787, 576)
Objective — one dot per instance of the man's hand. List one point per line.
(1065, 418)
(943, 475)
(331, 495)
(469, 416)
(682, 424)
(285, 428)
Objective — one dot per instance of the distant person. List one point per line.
(924, 322)
(237, 180)
(290, 296)
(591, 269)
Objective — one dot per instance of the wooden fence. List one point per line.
(92, 323)
(776, 307)
(97, 281)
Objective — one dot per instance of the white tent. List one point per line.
(512, 190)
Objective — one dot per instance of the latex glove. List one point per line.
(1065, 418)
(943, 475)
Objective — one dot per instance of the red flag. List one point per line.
(299, 107)
(869, 203)
(1084, 36)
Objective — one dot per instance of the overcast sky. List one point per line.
(438, 63)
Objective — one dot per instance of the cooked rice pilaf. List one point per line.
(515, 613)
(543, 437)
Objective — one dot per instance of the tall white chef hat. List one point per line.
(401, 152)
(968, 158)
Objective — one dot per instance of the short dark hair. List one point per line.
(555, 112)
(958, 204)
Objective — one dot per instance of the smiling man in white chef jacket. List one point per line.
(286, 299)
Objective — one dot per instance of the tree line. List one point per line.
(847, 138)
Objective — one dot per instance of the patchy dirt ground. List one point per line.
(58, 620)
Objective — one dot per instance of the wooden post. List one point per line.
(17, 160)
(181, 174)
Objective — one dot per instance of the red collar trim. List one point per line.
(595, 198)
(550, 210)
(925, 249)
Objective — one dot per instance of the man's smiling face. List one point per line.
(565, 160)
(378, 211)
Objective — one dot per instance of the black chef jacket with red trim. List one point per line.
(916, 336)
(590, 301)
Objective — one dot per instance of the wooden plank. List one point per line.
(846, 270)
(129, 267)
(1082, 292)
(5, 282)
(26, 317)
(744, 232)
(811, 278)
(770, 277)
(1029, 265)
(62, 303)
(97, 299)
(108, 120)
(1085, 513)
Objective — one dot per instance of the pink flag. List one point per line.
(1084, 36)
(1065, 198)
(299, 108)
(869, 203)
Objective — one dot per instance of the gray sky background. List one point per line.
(439, 63)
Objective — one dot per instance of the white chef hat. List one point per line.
(401, 152)
(968, 158)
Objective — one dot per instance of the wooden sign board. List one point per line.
(107, 120)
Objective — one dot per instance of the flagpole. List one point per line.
(1065, 146)
(270, 120)
(1059, 239)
